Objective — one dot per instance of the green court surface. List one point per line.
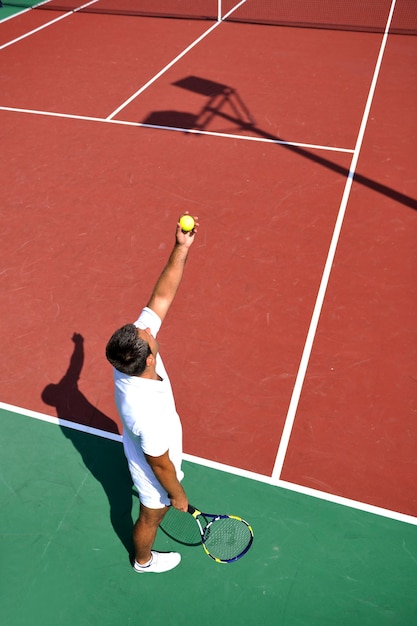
(66, 502)
(8, 11)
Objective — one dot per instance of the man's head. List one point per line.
(128, 349)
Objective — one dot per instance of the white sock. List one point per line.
(144, 564)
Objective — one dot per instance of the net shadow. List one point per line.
(225, 102)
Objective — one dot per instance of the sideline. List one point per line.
(308, 346)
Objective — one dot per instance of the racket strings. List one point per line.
(227, 538)
(181, 527)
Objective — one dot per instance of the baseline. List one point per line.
(269, 480)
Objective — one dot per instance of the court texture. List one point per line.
(289, 128)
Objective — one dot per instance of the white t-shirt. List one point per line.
(150, 420)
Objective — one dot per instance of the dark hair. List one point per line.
(127, 352)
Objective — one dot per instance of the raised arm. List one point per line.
(170, 279)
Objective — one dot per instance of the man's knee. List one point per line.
(152, 517)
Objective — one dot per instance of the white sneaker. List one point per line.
(161, 562)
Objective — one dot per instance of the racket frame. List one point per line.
(211, 519)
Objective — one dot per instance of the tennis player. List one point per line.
(152, 433)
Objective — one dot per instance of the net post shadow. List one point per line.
(103, 458)
(218, 95)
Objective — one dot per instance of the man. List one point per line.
(152, 434)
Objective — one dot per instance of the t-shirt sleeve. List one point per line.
(149, 319)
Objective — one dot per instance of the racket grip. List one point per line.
(191, 509)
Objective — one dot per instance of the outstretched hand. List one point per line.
(167, 284)
(186, 239)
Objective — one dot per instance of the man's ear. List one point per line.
(150, 360)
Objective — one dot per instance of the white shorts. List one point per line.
(151, 492)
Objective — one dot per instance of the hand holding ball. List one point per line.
(187, 223)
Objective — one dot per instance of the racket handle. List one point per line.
(191, 509)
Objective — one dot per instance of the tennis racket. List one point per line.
(225, 538)
(181, 527)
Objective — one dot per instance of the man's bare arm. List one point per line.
(170, 279)
(164, 471)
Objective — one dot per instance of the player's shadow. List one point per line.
(223, 102)
(104, 458)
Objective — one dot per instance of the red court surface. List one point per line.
(89, 209)
(270, 85)
(362, 375)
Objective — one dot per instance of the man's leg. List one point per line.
(144, 532)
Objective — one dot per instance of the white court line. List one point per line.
(274, 480)
(110, 117)
(35, 6)
(36, 30)
(295, 398)
(161, 72)
(321, 495)
(170, 64)
(191, 131)
(239, 4)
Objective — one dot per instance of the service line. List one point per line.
(191, 131)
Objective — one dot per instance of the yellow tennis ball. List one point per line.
(187, 223)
